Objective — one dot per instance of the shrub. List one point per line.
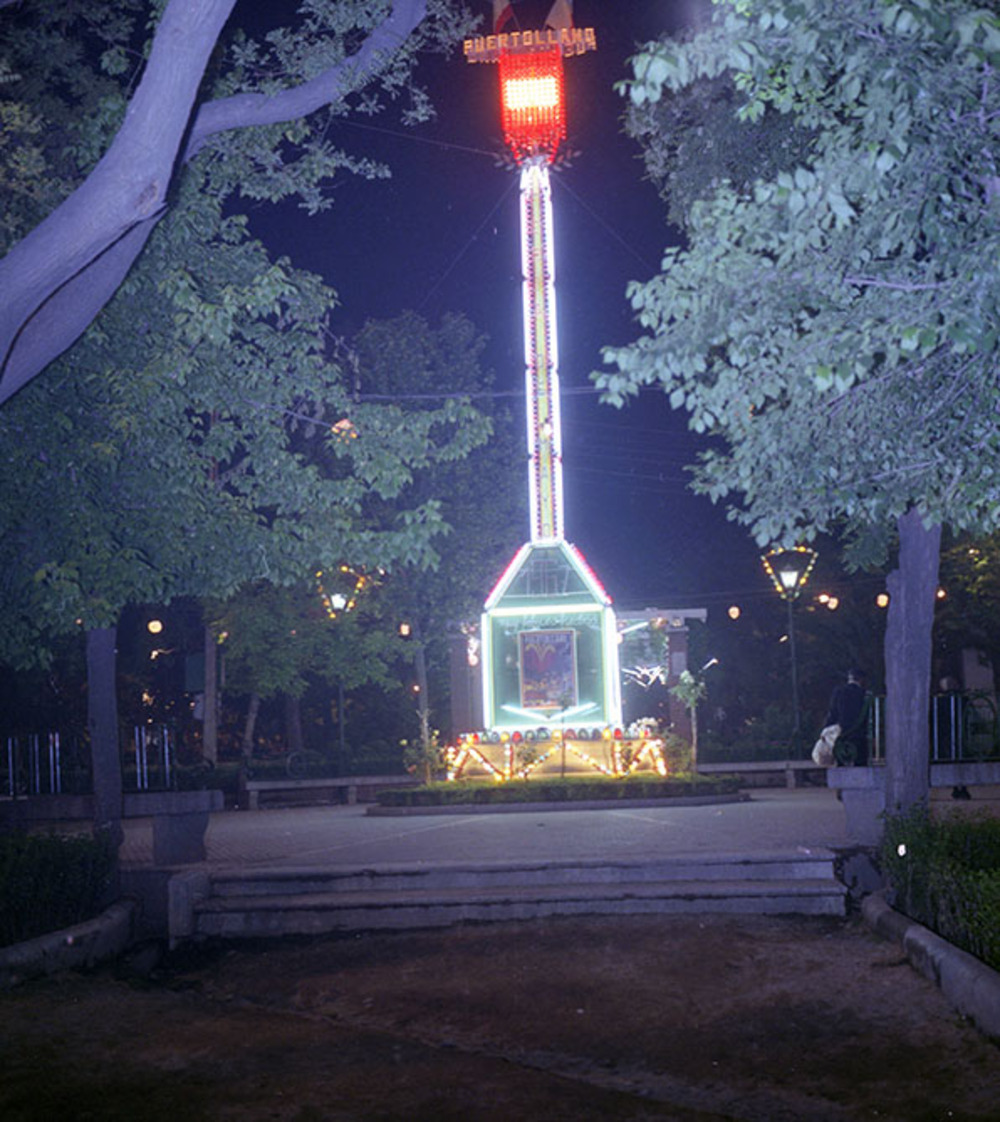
(48, 882)
(574, 789)
(763, 737)
(677, 753)
(946, 875)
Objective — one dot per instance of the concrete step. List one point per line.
(269, 903)
(318, 913)
(294, 881)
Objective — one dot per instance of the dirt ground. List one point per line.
(632, 1018)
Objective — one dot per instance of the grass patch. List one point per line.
(573, 789)
(945, 874)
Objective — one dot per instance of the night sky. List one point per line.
(442, 235)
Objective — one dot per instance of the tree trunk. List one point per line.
(293, 723)
(250, 726)
(908, 646)
(694, 739)
(210, 727)
(423, 704)
(102, 724)
(341, 752)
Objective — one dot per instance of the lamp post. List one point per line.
(789, 570)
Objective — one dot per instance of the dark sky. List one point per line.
(442, 235)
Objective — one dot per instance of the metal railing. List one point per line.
(54, 763)
(152, 751)
(962, 727)
(43, 764)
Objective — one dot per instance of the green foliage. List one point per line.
(969, 615)
(298, 159)
(480, 499)
(688, 689)
(574, 789)
(275, 640)
(946, 875)
(185, 445)
(676, 754)
(196, 449)
(693, 142)
(57, 114)
(278, 640)
(48, 882)
(834, 321)
(763, 736)
(424, 760)
(72, 67)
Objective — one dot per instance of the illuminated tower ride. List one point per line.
(550, 673)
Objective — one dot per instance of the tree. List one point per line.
(279, 640)
(482, 496)
(263, 118)
(969, 613)
(835, 323)
(200, 443)
(689, 690)
(192, 446)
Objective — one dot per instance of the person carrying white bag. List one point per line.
(844, 739)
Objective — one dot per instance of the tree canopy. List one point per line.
(260, 114)
(206, 442)
(835, 322)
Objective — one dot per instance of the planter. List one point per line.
(72, 948)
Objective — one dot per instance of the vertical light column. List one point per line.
(541, 354)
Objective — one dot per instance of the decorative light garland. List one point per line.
(627, 755)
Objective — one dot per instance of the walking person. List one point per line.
(849, 707)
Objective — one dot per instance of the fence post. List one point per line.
(55, 765)
(139, 740)
(166, 757)
(34, 765)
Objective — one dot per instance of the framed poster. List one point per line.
(548, 669)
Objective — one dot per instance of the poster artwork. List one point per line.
(548, 669)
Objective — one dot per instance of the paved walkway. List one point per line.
(774, 820)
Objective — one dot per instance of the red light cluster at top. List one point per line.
(532, 102)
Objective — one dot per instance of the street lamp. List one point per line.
(789, 570)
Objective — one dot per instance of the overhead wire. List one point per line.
(417, 139)
(608, 229)
(465, 248)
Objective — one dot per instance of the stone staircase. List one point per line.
(256, 903)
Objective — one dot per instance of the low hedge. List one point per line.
(945, 874)
(555, 790)
(48, 882)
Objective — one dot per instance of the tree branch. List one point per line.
(127, 187)
(56, 280)
(898, 286)
(247, 110)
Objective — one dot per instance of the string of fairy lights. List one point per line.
(608, 752)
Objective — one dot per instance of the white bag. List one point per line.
(822, 752)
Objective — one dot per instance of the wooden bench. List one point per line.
(340, 788)
(180, 818)
(794, 772)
